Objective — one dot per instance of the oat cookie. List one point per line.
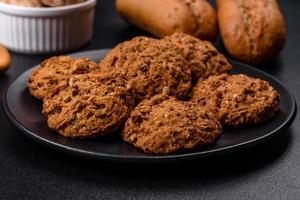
(50, 72)
(128, 50)
(164, 125)
(150, 66)
(55, 3)
(25, 3)
(203, 58)
(237, 100)
(88, 105)
(41, 3)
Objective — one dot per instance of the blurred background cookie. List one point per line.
(252, 31)
(237, 100)
(161, 18)
(4, 59)
(164, 125)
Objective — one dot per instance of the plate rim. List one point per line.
(144, 158)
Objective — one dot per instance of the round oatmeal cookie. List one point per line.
(125, 52)
(203, 58)
(164, 125)
(151, 66)
(237, 100)
(55, 3)
(88, 105)
(53, 70)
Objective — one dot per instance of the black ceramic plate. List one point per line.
(25, 113)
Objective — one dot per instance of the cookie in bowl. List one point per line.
(55, 3)
(46, 26)
(237, 100)
(25, 3)
(165, 125)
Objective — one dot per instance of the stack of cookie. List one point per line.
(79, 101)
(167, 95)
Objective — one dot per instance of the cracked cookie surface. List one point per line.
(88, 105)
(237, 100)
(54, 70)
(203, 58)
(164, 125)
(151, 66)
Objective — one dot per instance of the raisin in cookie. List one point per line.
(88, 105)
(50, 72)
(151, 66)
(237, 100)
(164, 125)
(203, 58)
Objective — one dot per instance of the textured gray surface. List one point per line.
(269, 171)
